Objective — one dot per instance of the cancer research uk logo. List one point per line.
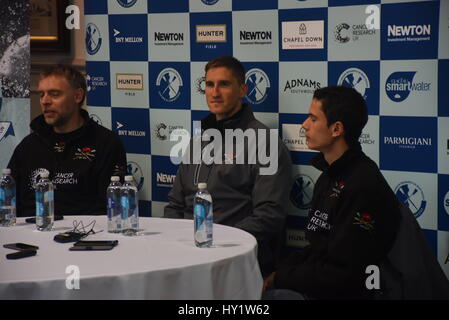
(93, 39)
(399, 85)
(258, 86)
(169, 84)
(344, 32)
(356, 79)
(412, 196)
(301, 192)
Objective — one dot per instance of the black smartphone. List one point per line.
(20, 246)
(21, 254)
(33, 219)
(91, 248)
(96, 243)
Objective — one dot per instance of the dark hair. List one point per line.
(230, 63)
(344, 104)
(73, 76)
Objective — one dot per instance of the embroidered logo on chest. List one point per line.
(337, 189)
(85, 153)
(364, 220)
(59, 146)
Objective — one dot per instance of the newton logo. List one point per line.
(400, 84)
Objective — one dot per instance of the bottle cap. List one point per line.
(202, 185)
(6, 171)
(115, 178)
(128, 178)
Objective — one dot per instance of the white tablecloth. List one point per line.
(163, 263)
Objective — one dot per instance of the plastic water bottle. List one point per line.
(203, 217)
(45, 203)
(114, 212)
(7, 199)
(130, 207)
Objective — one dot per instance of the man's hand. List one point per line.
(268, 282)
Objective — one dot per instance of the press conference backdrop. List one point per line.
(145, 67)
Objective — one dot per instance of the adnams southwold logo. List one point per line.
(345, 33)
(127, 3)
(211, 33)
(399, 85)
(169, 84)
(93, 39)
(412, 196)
(301, 86)
(133, 168)
(301, 192)
(258, 86)
(356, 79)
(303, 35)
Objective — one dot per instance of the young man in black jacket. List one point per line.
(242, 196)
(79, 154)
(354, 215)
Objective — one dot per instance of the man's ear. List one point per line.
(243, 90)
(338, 129)
(79, 94)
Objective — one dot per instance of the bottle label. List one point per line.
(39, 209)
(199, 216)
(2, 197)
(49, 196)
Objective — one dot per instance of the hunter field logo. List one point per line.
(132, 168)
(6, 129)
(126, 3)
(302, 35)
(399, 85)
(211, 33)
(412, 196)
(356, 79)
(93, 39)
(258, 86)
(129, 81)
(84, 153)
(301, 192)
(169, 83)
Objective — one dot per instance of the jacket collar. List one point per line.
(341, 163)
(239, 120)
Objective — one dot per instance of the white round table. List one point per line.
(162, 263)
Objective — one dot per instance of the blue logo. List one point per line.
(258, 86)
(132, 168)
(399, 85)
(93, 39)
(412, 196)
(132, 127)
(209, 2)
(302, 190)
(169, 83)
(98, 83)
(6, 129)
(128, 33)
(126, 3)
(356, 79)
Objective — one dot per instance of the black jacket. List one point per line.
(352, 224)
(242, 197)
(80, 164)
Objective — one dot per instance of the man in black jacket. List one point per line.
(354, 215)
(243, 196)
(79, 154)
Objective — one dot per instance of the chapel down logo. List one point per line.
(356, 79)
(169, 83)
(399, 85)
(303, 35)
(412, 196)
(301, 192)
(258, 86)
(93, 39)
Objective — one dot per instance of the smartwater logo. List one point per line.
(399, 85)
(93, 39)
(409, 33)
(446, 202)
(412, 196)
